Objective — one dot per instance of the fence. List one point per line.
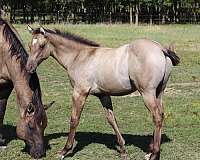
(93, 17)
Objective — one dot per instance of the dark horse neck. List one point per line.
(14, 57)
(26, 85)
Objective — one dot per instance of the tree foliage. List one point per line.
(103, 11)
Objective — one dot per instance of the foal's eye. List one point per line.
(42, 46)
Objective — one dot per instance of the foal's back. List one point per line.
(127, 68)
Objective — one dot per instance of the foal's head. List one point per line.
(40, 49)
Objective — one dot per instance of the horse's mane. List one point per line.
(70, 36)
(16, 47)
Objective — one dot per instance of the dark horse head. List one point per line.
(33, 120)
(32, 124)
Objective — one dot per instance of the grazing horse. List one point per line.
(142, 65)
(13, 74)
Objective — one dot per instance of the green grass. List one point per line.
(95, 139)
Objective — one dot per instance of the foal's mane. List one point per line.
(70, 36)
(16, 47)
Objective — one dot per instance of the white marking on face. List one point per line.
(34, 41)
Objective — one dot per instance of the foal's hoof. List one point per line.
(147, 156)
(63, 153)
(60, 155)
(123, 156)
(152, 156)
(3, 147)
(2, 142)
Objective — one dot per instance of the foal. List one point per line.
(33, 120)
(142, 65)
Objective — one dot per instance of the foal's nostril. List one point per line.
(30, 68)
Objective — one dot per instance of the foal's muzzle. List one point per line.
(30, 68)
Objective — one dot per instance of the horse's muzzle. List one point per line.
(37, 151)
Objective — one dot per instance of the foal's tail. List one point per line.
(168, 52)
(172, 55)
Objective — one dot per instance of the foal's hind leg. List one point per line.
(107, 104)
(156, 110)
(160, 105)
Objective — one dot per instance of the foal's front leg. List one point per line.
(78, 99)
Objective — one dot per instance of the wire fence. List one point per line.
(91, 18)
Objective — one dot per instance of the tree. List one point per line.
(89, 11)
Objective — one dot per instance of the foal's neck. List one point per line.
(66, 51)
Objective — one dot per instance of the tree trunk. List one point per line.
(44, 19)
(163, 19)
(151, 21)
(174, 14)
(131, 13)
(13, 15)
(24, 13)
(136, 14)
(110, 13)
(32, 15)
(177, 12)
(194, 13)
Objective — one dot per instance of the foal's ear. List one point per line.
(172, 47)
(42, 30)
(30, 29)
(47, 106)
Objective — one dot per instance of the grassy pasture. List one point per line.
(95, 139)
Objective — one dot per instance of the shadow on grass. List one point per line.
(85, 138)
(9, 133)
(109, 140)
